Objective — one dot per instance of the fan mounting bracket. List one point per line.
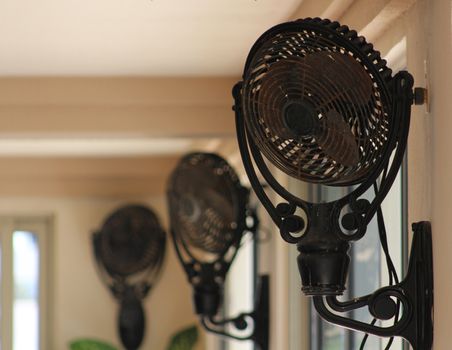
(260, 319)
(415, 293)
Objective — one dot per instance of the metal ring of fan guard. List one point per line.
(131, 240)
(207, 203)
(315, 102)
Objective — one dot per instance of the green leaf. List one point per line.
(184, 339)
(90, 344)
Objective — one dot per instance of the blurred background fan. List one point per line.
(207, 204)
(210, 214)
(129, 250)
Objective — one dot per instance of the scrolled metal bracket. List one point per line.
(207, 279)
(415, 293)
(254, 324)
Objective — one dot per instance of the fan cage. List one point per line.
(211, 185)
(131, 242)
(285, 53)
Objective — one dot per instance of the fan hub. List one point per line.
(300, 118)
(190, 208)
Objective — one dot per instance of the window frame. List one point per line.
(41, 227)
(250, 240)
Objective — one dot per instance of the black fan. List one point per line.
(129, 250)
(318, 102)
(209, 210)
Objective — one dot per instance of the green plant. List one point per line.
(184, 340)
(90, 344)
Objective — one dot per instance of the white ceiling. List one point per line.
(133, 37)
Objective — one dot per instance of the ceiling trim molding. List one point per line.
(369, 18)
(85, 177)
(372, 18)
(385, 18)
(116, 107)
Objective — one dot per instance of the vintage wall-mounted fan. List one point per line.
(209, 215)
(129, 251)
(318, 103)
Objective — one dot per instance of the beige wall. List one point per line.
(427, 26)
(82, 306)
(441, 110)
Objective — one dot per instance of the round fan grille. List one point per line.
(131, 240)
(207, 203)
(313, 106)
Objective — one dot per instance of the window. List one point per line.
(240, 289)
(367, 272)
(24, 283)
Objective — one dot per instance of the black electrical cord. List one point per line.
(393, 276)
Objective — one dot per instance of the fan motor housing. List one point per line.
(323, 261)
(207, 299)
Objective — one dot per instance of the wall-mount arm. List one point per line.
(415, 293)
(259, 316)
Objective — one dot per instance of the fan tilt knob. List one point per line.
(299, 118)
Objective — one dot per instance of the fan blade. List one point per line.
(283, 81)
(343, 76)
(220, 204)
(337, 140)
